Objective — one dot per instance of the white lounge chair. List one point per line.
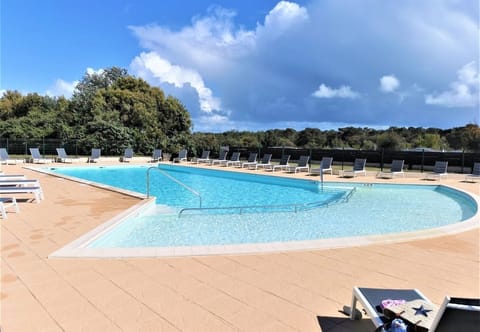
(127, 155)
(302, 165)
(19, 183)
(95, 156)
(221, 159)
(358, 168)
(252, 159)
(439, 170)
(15, 190)
(37, 157)
(156, 156)
(325, 166)
(5, 159)
(264, 163)
(204, 158)
(63, 157)
(7, 202)
(396, 168)
(182, 156)
(234, 160)
(12, 177)
(282, 165)
(475, 175)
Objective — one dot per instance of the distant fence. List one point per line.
(461, 162)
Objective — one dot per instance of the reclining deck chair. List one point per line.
(182, 156)
(5, 159)
(204, 158)
(95, 156)
(457, 314)
(302, 165)
(156, 156)
(63, 157)
(325, 166)
(234, 160)
(475, 173)
(127, 155)
(396, 168)
(358, 168)
(222, 158)
(37, 157)
(439, 170)
(264, 163)
(252, 159)
(282, 165)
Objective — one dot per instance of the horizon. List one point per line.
(257, 66)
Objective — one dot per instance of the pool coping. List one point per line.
(77, 248)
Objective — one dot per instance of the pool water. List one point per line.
(285, 209)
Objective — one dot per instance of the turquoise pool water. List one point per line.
(339, 210)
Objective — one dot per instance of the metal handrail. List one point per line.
(296, 207)
(173, 179)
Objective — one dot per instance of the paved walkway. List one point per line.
(285, 291)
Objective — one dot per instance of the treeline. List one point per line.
(465, 138)
(114, 110)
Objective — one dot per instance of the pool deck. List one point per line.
(299, 290)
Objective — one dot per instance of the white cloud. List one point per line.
(342, 92)
(62, 88)
(389, 83)
(91, 71)
(464, 92)
(282, 17)
(150, 64)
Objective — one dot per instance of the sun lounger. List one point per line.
(182, 156)
(396, 168)
(302, 165)
(95, 156)
(5, 159)
(19, 183)
(37, 157)
(127, 155)
(252, 159)
(358, 168)
(475, 173)
(7, 202)
(204, 158)
(325, 166)
(63, 157)
(371, 299)
(457, 314)
(439, 170)
(282, 165)
(156, 156)
(12, 177)
(264, 163)
(234, 160)
(221, 159)
(13, 190)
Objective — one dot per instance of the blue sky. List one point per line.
(256, 65)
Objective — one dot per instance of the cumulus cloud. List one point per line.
(153, 65)
(342, 92)
(283, 17)
(62, 88)
(463, 92)
(389, 83)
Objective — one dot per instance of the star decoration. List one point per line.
(421, 311)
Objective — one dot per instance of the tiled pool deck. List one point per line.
(282, 291)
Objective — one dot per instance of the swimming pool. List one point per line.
(285, 209)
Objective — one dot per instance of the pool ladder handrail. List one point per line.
(174, 180)
(296, 207)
